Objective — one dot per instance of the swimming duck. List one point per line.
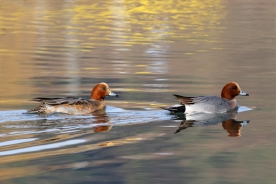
(209, 104)
(75, 105)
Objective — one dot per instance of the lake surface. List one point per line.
(146, 51)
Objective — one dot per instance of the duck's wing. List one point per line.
(185, 100)
(59, 101)
(211, 100)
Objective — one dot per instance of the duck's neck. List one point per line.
(97, 98)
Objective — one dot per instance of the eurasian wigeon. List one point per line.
(209, 104)
(75, 105)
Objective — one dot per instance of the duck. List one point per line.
(209, 104)
(74, 105)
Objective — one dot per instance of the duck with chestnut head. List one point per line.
(75, 105)
(209, 104)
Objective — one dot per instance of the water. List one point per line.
(146, 51)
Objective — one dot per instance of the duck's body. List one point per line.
(209, 104)
(68, 105)
(75, 105)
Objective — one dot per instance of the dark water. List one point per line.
(146, 51)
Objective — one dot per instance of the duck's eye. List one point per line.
(234, 87)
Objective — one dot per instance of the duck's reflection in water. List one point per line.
(228, 120)
(103, 122)
(94, 123)
(234, 127)
(99, 122)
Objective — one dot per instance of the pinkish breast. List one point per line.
(232, 104)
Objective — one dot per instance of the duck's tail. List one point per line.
(175, 108)
(38, 110)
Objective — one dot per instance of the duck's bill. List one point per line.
(112, 94)
(243, 93)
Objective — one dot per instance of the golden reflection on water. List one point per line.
(131, 22)
(125, 23)
(145, 22)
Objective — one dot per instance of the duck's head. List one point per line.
(231, 90)
(100, 91)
